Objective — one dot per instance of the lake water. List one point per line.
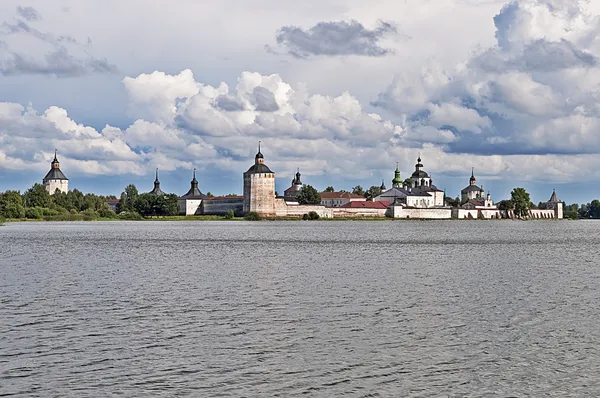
(208, 309)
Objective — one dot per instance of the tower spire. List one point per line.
(194, 173)
(156, 180)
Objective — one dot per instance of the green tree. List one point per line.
(521, 201)
(307, 195)
(372, 192)
(229, 215)
(542, 205)
(593, 209)
(571, 211)
(210, 195)
(358, 190)
(128, 199)
(252, 216)
(37, 196)
(505, 205)
(11, 205)
(329, 189)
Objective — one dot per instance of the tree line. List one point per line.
(37, 203)
(133, 204)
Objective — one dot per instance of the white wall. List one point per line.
(401, 212)
(53, 185)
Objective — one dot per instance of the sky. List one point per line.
(341, 89)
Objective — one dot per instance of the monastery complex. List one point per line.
(416, 197)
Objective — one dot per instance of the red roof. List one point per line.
(383, 204)
(340, 195)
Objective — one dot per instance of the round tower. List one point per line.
(259, 187)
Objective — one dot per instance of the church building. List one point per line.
(55, 179)
(418, 191)
(259, 187)
(472, 191)
(296, 186)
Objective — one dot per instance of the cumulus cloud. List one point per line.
(333, 135)
(535, 92)
(335, 38)
(61, 56)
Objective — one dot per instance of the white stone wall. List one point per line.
(358, 212)
(53, 185)
(283, 209)
(190, 207)
(401, 212)
(259, 193)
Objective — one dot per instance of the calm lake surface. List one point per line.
(209, 309)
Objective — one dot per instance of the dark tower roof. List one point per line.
(418, 173)
(54, 173)
(156, 190)
(259, 166)
(297, 180)
(382, 187)
(554, 197)
(194, 192)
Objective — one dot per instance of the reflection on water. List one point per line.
(405, 308)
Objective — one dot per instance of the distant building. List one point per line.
(556, 205)
(338, 199)
(190, 203)
(157, 190)
(55, 179)
(112, 203)
(296, 186)
(472, 191)
(418, 191)
(259, 187)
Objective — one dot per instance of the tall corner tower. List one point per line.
(55, 179)
(259, 187)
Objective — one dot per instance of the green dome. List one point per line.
(397, 179)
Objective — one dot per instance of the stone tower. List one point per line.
(555, 204)
(259, 187)
(55, 179)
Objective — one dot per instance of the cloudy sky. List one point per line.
(342, 89)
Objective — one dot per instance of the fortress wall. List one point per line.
(342, 212)
(542, 213)
(400, 212)
(300, 210)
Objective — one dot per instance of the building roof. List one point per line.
(383, 204)
(554, 197)
(419, 174)
(194, 192)
(157, 190)
(224, 198)
(259, 168)
(55, 174)
(340, 195)
(471, 188)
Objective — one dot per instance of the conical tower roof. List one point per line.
(554, 197)
(156, 190)
(194, 192)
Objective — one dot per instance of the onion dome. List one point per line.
(397, 181)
